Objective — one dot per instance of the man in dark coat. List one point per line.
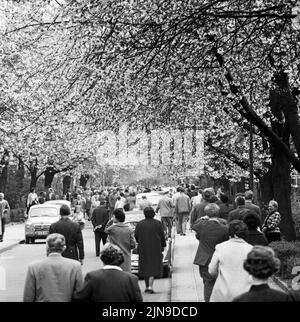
(210, 231)
(72, 233)
(250, 205)
(240, 212)
(149, 234)
(100, 217)
(110, 284)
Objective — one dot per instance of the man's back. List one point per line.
(53, 279)
(100, 216)
(183, 203)
(210, 233)
(166, 207)
(238, 214)
(110, 285)
(73, 235)
(254, 208)
(198, 211)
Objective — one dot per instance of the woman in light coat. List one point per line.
(227, 264)
(122, 235)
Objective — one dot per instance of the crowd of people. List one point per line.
(233, 256)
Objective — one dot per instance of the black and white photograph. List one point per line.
(149, 154)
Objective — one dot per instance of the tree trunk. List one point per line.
(20, 174)
(281, 168)
(66, 184)
(49, 176)
(4, 162)
(33, 176)
(83, 180)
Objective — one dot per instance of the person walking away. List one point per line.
(4, 214)
(55, 278)
(99, 219)
(32, 199)
(88, 206)
(250, 205)
(240, 211)
(227, 264)
(196, 200)
(182, 211)
(131, 200)
(110, 283)
(271, 223)
(166, 208)
(210, 231)
(72, 233)
(254, 236)
(149, 235)
(198, 211)
(261, 264)
(225, 206)
(122, 235)
(144, 203)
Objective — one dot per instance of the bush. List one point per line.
(17, 215)
(289, 255)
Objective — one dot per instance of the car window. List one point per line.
(43, 212)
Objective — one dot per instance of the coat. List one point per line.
(198, 211)
(54, 279)
(255, 237)
(149, 235)
(110, 285)
(227, 264)
(122, 235)
(100, 216)
(262, 293)
(254, 208)
(73, 235)
(209, 233)
(238, 214)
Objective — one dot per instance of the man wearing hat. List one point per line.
(55, 278)
(198, 210)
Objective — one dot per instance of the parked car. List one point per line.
(39, 219)
(131, 219)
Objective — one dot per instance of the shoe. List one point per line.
(97, 255)
(149, 290)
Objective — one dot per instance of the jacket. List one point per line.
(54, 279)
(73, 235)
(109, 285)
(100, 216)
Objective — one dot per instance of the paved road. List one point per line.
(16, 260)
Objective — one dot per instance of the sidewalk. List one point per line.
(14, 235)
(186, 283)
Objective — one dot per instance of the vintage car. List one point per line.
(39, 219)
(131, 219)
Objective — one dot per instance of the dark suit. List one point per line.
(209, 233)
(100, 216)
(255, 237)
(262, 293)
(254, 208)
(238, 214)
(73, 235)
(110, 285)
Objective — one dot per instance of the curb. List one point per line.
(280, 283)
(5, 249)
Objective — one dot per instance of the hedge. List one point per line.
(289, 255)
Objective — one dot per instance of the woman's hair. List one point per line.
(224, 198)
(237, 228)
(119, 214)
(261, 262)
(112, 255)
(252, 221)
(32, 189)
(149, 212)
(273, 203)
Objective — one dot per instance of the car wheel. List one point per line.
(27, 240)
